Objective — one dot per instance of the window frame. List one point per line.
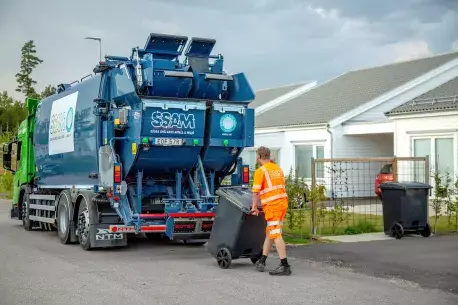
(253, 150)
(432, 154)
(314, 155)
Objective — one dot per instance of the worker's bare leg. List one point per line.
(283, 268)
(267, 246)
(281, 247)
(261, 263)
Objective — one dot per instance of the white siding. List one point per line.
(288, 139)
(360, 175)
(425, 126)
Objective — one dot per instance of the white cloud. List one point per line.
(274, 42)
(164, 27)
(409, 50)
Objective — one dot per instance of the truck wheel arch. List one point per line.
(24, 189)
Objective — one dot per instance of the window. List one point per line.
(249, 156)
(421, 148)
(444, 160)
(121, 84)
(303, 158)
(442, 156)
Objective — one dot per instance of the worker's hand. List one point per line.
(254, 210)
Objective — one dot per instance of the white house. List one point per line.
(345, 117)
(428, 125)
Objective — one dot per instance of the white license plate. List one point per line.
(168, 141)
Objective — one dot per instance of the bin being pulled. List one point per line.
(405, 208)
(236, 233)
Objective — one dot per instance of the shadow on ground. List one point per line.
(430, 262)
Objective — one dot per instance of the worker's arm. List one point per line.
(257, 184)
(255, 201)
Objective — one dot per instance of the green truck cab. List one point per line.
(23, 166)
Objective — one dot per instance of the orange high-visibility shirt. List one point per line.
(269, 182)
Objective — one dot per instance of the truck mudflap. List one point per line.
(102, 237)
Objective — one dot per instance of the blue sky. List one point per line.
(275, 42)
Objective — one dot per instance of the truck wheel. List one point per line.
(63, 219)
(26, 222)
(84, 225)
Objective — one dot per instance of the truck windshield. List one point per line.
(122, 84)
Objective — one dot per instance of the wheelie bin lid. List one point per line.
(403, 185)
(241, 197)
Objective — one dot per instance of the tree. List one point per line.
(47, 91)
(29, 61)
(12, 113)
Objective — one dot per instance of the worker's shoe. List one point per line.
(281, 270)
(260, 266)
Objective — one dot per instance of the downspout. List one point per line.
(328, 129)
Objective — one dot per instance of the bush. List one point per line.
(6, 182)
(362, 226)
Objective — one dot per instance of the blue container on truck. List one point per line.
(140, 146)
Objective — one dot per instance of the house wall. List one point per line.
(360, 181)
(426, 126)
(356, 179)
(285, 142)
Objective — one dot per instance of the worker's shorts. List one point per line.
(274, 217)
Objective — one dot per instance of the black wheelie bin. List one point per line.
(405, 208)
(236, 233)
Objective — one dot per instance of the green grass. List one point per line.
(350, 224)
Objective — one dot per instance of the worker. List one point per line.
(269, 188)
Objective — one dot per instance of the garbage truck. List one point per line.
(138, 146)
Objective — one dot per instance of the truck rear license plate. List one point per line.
(168, 141)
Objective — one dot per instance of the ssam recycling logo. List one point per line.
(69, 119)
(228, 123)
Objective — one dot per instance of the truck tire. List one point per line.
(84, 225)
(26, 222)
(63, 217)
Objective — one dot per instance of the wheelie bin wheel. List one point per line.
(426, 232)
(224, 258)
(397, 231)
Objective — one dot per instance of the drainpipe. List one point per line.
(328, 129)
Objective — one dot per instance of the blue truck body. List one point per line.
(141, 146)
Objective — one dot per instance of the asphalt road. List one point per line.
(36, 269)
(430, 262)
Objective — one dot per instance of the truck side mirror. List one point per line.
(6, 148)
(7, 157)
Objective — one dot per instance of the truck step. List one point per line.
(42, 207)
(41, 219)
(42, 197)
